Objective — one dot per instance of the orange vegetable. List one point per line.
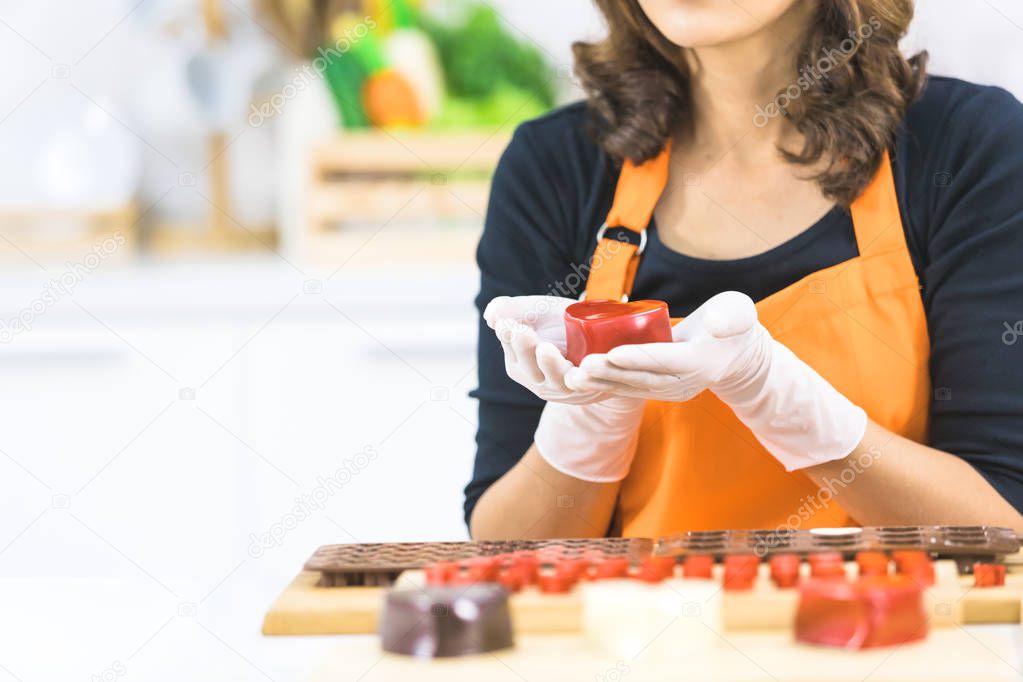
(391, 101)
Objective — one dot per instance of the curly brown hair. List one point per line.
(636, 81)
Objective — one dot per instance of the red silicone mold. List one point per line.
(598, 326)
(873, 611)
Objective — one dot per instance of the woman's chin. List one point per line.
(709, 23)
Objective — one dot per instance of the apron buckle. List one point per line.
(641, 234)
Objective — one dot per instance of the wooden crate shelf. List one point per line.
(49, 234)
(399, 196)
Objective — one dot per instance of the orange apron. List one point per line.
(860, 324)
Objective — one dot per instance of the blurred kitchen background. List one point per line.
(236, 276)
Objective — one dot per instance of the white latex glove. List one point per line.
(531, 330)
(589, 435)
(798, 416)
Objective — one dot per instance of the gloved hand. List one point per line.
(586, 434)
(795, 414)
(531, 330)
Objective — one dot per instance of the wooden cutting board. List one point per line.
(307, 609)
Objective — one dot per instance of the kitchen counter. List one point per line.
(179, 439)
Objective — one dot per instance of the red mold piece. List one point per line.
(784, 570)
(740, 571)
(529, 572)
(459, 574)
(988, 575)
(654, 569)
(612, 567)
(824, 558)
(526, 564)
(827, 565)
(915, 565)
(873, 611)
(510, 577)
(548, 558)
(554, 583)
(905, 557)
(516, 572)
(699, 566)
(598, 326)
(440, 572)
(482, 569)
(574, 569)
(872, 563)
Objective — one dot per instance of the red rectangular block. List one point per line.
(988, 575)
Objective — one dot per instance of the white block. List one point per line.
(629, 618)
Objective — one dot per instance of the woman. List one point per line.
(840, 234)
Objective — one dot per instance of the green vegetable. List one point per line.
(368, 51)
(507, 106)
(404, 15)
(480, 56)
(345, 76)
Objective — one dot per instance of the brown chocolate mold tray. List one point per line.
(944, 541)
(382, 563)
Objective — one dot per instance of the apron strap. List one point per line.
(615, 260)
(875, 214)
(877, 223)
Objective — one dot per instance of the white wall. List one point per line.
(128, 56)
(980, 41)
